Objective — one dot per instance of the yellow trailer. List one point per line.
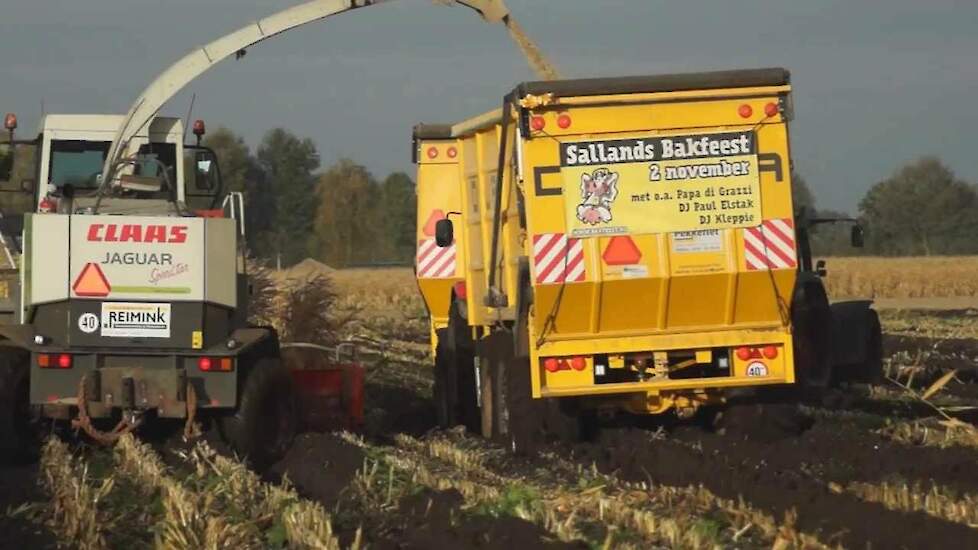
(631, 244)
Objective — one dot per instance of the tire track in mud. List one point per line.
(776, 475)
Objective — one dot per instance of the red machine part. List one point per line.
(330, 398)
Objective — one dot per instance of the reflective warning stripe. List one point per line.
(435, 262)
(770, 245)
(557, 259)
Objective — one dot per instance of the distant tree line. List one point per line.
(342, 216)
(922, 209)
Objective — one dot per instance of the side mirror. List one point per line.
(6, 161)
(444, 233)
(143, 184)
(856, 236)
(820, 268)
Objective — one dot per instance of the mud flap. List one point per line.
(857, 352)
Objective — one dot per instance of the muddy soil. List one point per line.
(434, 519)
(321, 466)
(778, 474)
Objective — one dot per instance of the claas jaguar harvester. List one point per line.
(624, 244)
(132, 293)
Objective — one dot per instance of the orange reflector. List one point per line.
(44, 360)
(621, 250)
(91, 282)
(226, 364)
(433, 218)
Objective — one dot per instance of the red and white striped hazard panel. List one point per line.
(435, 262)
(770, 245)
(557, 259)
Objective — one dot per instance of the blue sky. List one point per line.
(876, 83)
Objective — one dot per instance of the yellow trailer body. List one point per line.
(635, 239)
(438, 269)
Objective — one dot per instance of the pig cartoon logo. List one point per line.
(598, 191)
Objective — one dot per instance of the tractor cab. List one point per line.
(157, 174)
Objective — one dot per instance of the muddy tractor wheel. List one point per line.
(455, 385)
(264, 425)
(858, 342)
(19, 430)
(812, 321)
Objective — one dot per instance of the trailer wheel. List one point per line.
(19, 430)
(455, 388)
(811, 318)
(264, 424)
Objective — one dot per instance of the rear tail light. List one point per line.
(564, 121)
(432, 153)
(771, 109)
(215, 364)
(745, 111)
(554, 364)
(54, 360)
(746, 353)
(538, 123)
(452, 152)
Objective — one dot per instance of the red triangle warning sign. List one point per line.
(429, 226)
(91, 282)
(621, 251)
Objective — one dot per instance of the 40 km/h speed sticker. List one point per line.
(88, 323)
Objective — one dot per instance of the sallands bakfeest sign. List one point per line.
(661, 184)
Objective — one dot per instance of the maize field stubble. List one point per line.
(442, 488)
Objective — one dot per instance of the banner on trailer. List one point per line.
(661, 184)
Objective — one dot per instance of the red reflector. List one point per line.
(64, 361)
(452, 152)
(551, 364)
(770, 352)
(461, 291)
(204, 363)
(744, 353)
(745, 111)
(432, 152)
(578, 363)
(10, 121)
(771, 109)
(44, 360)
(538, 123)
(564, 121)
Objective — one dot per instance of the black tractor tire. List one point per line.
(811, 319)
(262, 428)
(455, 388)
(19, 425)
(867, 365)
